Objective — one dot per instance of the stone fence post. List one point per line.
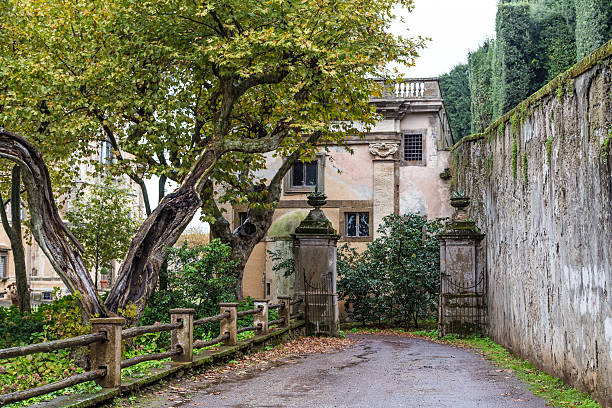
(107, 354)
(284, 311)
(183, 336)
(261, 317)
(229, 325)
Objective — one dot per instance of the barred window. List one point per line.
(413, 147)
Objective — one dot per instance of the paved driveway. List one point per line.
(379, 371)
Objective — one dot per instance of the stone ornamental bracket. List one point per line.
(384, 149)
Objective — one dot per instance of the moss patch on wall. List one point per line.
(605, 146)
(286, 224)
(514, 158)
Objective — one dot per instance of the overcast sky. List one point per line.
(454, 26)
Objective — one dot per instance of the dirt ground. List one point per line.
(365, 370)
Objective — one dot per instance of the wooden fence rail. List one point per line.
(107, 335)
(55, 345)
(56, 386)
(212, 319)
(154, 328)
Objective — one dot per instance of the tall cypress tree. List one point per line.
(456, 93)
(479, 78)
(514, 53)
(592, 25)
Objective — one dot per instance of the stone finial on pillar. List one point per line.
(284, 311)
(261, 318)
(229, 325)
(183, 336)
(462, 308)
(107, 354)
(315, 243)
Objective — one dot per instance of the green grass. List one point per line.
(553, 390)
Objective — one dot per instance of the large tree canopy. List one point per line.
(192, 91)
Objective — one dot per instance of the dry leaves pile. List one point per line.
(298, 347)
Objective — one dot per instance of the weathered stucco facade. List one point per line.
(377, 179)
(540, 180)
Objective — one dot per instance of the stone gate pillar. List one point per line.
(462, 308)
(315, 243)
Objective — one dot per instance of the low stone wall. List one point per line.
(540, 180)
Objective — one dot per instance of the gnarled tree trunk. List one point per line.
(56, 241)
(242, 244)
(139, 271)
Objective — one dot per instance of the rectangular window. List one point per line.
(413, 147)
(46, 296)
(4, 265)
(267, 288)
(357, 224)
(304, 174)
(242, 216)
(106, 155)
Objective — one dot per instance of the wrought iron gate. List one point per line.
(463, 307)
(319, 307)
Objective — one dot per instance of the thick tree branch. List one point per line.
(262, 145)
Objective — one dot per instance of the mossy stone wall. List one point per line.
(540, 179)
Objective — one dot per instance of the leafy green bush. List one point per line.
(396, 279)
(57, 320)
(60, 319)
(200, 278)
(16, 329)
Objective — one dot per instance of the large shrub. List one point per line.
(396, 279)
(198, 277)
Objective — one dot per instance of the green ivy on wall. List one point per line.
(514, 158)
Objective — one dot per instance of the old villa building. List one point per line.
(399, 167)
